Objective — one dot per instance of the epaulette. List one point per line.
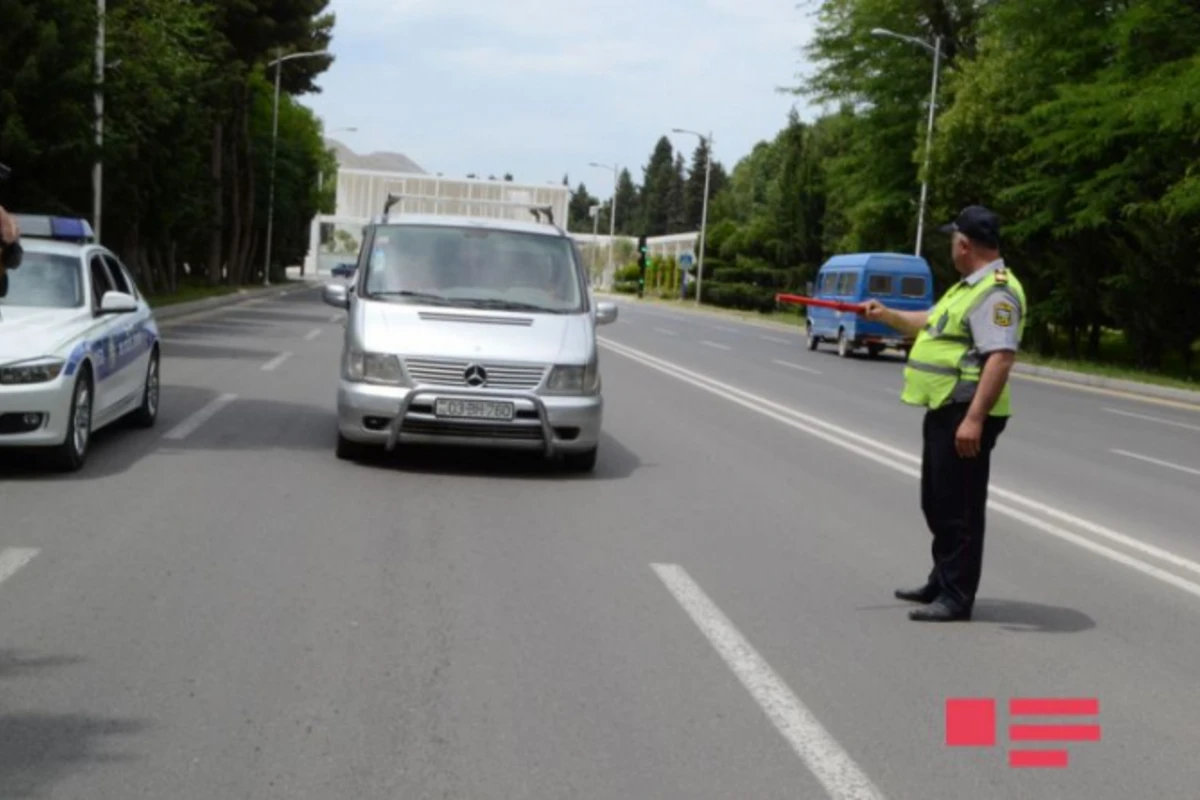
(1001, 275)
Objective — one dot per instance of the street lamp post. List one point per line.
(278, 64)
(936, 49)
(708, 147)
(612, 214)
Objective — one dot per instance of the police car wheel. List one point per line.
(72, 453)
(147, 413)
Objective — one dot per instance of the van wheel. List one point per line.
(581, 462)
(844, 347)
(349, 450)
(873, 350)
(813, 341)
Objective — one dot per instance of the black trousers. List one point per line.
(954, 494)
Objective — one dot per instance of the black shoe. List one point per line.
(924, 595)
(939, 611)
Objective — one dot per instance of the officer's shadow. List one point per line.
(1025, 617)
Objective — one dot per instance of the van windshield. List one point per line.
(470, 267)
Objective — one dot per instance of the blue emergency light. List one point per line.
(61, 229)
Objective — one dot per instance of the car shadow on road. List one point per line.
(176, 348)
(616, 462)
(39, 749)
(264, 425)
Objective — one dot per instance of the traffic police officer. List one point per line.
(10, 248)
(958, 371)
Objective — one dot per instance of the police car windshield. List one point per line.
(473, 268)
(45, 280)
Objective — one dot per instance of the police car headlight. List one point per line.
(574, 379)
(379, 368)
(37, 371)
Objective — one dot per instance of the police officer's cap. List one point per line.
(978, 224)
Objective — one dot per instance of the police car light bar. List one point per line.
(62, 229)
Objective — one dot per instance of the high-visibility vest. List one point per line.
(943, 365)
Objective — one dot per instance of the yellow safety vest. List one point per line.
(943, 365)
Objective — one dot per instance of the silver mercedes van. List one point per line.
(470, 332)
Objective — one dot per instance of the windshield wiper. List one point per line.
(437, 299)
(511, 305)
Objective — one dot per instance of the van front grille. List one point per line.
(438, 372)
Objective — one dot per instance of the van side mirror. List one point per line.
(606, 313)
(336, 295)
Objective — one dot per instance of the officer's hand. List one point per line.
(874, 310)
(968, 437)
(9, 232)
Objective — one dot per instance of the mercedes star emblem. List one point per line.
(475, 375)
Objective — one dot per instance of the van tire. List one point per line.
(873, 350)
(348, 450)
(581, 462)
(813, 341)
(843, 343)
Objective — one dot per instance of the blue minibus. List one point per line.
(898, 281)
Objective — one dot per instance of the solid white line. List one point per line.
(800, 367)
(1154, 419)
(1159, 462)
(203, 415)
(893, 458)
(271, 365)
(707, 343)
(820, 752)
(13, 558)
(336, 318)
(314, 333)
(774, 339)
(665, 332)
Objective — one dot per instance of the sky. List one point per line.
(540, 88)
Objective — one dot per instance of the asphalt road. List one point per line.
(218, 608)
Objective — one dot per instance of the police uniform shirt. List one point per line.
(996, 322)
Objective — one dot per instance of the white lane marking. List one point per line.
(1154, 419)
(198, 418)
(274, 363)
(13, 558)
(665, 331)
(1159, 462)
(707, 343)
(336, 318)
(724, 329)
(775, 339)
(844, 438)
(314, 333)
(820, 752)
(285, 293)
(800, 367)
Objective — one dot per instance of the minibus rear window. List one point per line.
(911, 286)
(879, 284)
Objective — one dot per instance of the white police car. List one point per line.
(79, 348)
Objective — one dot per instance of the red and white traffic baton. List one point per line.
(799, 299)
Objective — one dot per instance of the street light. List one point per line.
(278, 64)
(936, 49)
(612, 214)
(708, 148)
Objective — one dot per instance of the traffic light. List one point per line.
(643, 250)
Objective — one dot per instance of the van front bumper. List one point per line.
(389, 416)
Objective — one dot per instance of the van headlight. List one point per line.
(41, 370)
(379, 368)
(574, 379)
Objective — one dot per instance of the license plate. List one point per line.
(473, 409)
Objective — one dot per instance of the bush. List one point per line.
(742, 296)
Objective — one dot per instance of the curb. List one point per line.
(1112, 384)
(1152, 390)
(176, 310)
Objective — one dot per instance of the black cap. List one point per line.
(978, 224)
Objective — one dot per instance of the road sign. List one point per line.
(686, 260)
